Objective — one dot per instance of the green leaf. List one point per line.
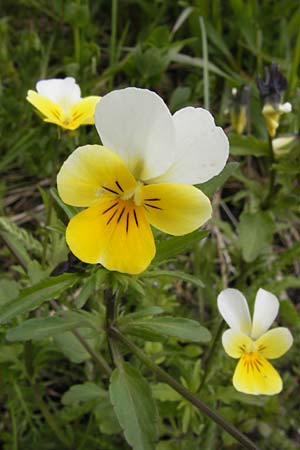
(289, 313)
(211, 186)
(134, 406)
(9, 289)
(83, 393)
(164, 393)
(248, 145)
(31, 298)
(41, 328)
(150, 311)
(175, 274)
(70, 211)
(181, 328)
(255, 232)
(169, 248)
(72, 348)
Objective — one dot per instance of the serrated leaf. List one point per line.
(181, 328)
(134, 406)
(83, 393)
(41, 328)
(171, 247)
(31, 298)
(211, 186)
(255, 232)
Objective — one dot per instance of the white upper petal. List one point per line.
(265, 312)
(65, 92)
(201, 149)
(137, 125)
(234, 309)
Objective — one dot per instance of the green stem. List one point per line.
(205, 62)
(14, 428)
(50, 201)
(49, 418)
(13, 250)
(272, 181)
(99, 360)
(60, 434)
(209, 359)
(76, 37)
(111, 313)
(113, 36)
(164, 376)
(196, 254)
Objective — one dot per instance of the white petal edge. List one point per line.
(201, 149)
(137, 125)
(63, 91)
(234, 309)
(266, 308)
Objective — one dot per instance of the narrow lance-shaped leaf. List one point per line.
(31, 298)
(134, 406)
(41, 328)
(171, 247)
(185, 329)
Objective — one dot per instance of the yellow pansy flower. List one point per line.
(141, 176)
(251, 342)
(60, 102)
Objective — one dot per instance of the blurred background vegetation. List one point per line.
(160, 45)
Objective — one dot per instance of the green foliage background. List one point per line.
(249, 244)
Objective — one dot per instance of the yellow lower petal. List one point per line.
(236, 343)
(82, 113)
(51, 111)
(274, 343)
(176, 209)
(255, 375)
(89, 173)
(114, 233)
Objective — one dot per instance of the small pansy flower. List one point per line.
(251, 342)
(239, 108)
(141, 176)
(271, 90)
(60, 102)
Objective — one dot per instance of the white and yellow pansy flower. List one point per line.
(60, 102)
(141, 176)
(251, 342)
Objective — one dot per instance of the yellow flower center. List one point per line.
(125, 205)
(251, 362)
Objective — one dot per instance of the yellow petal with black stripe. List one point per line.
(255, 375)
(176, 209)
(114, 233)
(89, 173)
